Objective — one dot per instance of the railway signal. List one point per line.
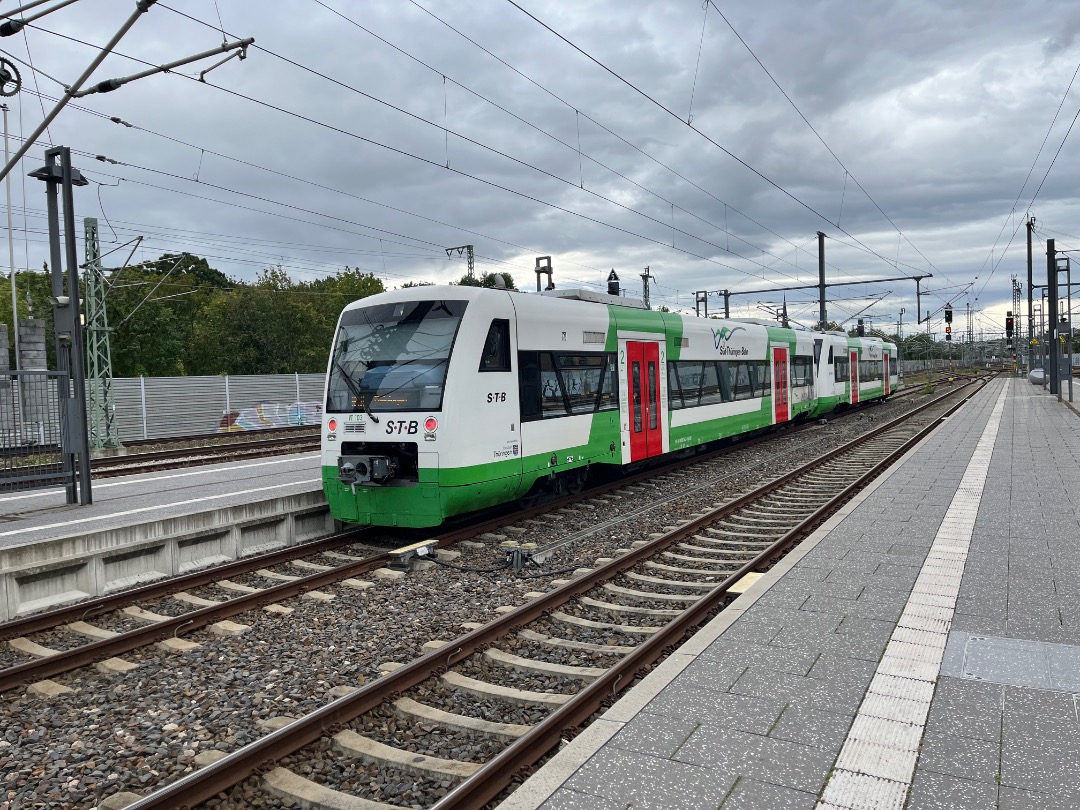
(948, 320)
(1009, 327)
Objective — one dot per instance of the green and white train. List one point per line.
(445, 400)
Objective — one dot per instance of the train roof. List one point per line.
(581, 294)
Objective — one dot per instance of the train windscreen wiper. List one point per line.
(349, 381)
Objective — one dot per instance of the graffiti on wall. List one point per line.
(271, 415)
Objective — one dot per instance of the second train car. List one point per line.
(442, 400)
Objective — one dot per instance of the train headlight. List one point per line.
(332, 424)
(431, 424)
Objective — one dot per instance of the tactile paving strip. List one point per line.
(877, 762)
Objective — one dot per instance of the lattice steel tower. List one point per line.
(101, 409)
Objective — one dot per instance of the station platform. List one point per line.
(921, 650)
(144, 527)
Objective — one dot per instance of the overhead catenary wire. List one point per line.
(443, 77)
(847, 172)
(600, 125)
(460, 172)
(319, 185)
(561, 208)
(527, 123)
(1027, 178)
(794, 198)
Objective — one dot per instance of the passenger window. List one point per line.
(690, 382)
(674, 392)
(802, 372)
(710, 385)
(496, 353)
(555, 385)
(552, 401)
(764, 377)
(581, 377)
(608, 398)
(529, 385)
(744, 388)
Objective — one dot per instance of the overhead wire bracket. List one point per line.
(107, 86)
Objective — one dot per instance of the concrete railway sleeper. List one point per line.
(577, 617)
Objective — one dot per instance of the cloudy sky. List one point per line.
(709, 143)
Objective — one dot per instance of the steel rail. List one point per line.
(495, 775)
(137, 463)
(90, 608)
(76, 657)
(107, 462)
(260, 756)
(283, 432)
(90, 653)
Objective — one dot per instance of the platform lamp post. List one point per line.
(59, 175)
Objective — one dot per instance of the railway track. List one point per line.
(189, 451)
(144, 596)
(300, 576)
(548, 664)
(165, 454)
(212, 450)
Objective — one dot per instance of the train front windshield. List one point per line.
(393, 357)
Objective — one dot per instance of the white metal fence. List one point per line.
(911, 366)
(158, 407)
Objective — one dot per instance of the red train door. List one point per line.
(643, 394)
(781, 406)
(885, 371)
(853, 357)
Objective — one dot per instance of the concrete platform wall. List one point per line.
(48, 574)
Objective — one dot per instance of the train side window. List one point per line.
(755, 381)
(552, 399)
(529, 385)
(870, 371)
(840, 370)
(689, 372)
(711, 393)
(802, 372)
(817, 351)
(581, 377)
(744, 385)
(553, 385)
(607, 398)
(674, 391)
(496, 353)
(723, 369)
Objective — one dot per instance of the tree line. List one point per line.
(177, 316)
